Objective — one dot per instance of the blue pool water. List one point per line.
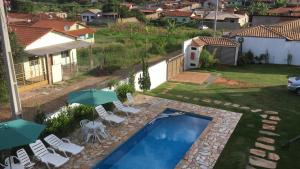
(161, 144)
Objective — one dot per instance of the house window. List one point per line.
(193, 56)
(33, 60)
(77, 26)
(64, 54)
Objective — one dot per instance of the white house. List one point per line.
(90, 15)
(226, 50)
(48, 52)
(279, 41)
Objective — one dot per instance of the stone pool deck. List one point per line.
(202, 155)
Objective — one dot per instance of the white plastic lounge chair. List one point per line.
(127, 109)
(108, 116)
(64, 145)
(130, 99)
(47, 155)
(10, 162)
(24, 158)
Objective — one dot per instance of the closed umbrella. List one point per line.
(18, 132)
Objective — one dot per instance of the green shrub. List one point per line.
(158, 47)
(67, 121)
(111, 83)
(207, 59)
(123, 89)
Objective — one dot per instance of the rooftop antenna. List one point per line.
(215, 23)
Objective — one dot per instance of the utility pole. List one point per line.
(216, 13)
(15, 104)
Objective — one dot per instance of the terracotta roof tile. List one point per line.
(83, 31)
(288, 30)
(178, 14)
(26, 35)
(55, 24)
(215, 41)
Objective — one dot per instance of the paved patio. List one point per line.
(203, 154)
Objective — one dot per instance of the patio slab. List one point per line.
(203, 153)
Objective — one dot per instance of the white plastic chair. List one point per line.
(24, 158)
(127, 109)
(86, 132)
(130, 99)
(108, 116)
(64, 145)
(47, 155)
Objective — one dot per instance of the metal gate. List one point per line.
(31, 74)
(175, 66)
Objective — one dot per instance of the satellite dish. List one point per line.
(66, 28)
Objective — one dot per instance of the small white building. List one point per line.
(49, 51)
(278, 41)
(226, 50)
(90, 15)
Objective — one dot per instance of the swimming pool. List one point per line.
(161, 144)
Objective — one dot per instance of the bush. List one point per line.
(207, 59)
(67, 121)
(123, 89)
(158, 47)
(111, 83)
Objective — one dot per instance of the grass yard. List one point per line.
(122, 45)
(261, 86)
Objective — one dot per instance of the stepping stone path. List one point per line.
(264, 116)
(263, 155)
(206, 100)
(256, 110)
(227, 104)
(260, 162)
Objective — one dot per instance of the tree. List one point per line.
(280, 3)
(18, 52)
(144, 79)
(258, 8)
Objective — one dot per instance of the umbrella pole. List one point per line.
(9, 159)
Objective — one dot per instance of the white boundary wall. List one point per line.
(158, 75)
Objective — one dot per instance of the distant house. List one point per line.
(227, 20)
(29, 19)
(270, 19)
(90, 15)
(180, 16)
(278, 41)
(226, 50)
(285, 11)
(213, 3)
(150, 10)
(50, 51)
(128, 5)
(73, 28)
(293, 2)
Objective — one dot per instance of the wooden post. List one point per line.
(91, 57)
(49, 68)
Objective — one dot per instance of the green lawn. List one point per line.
(122, 45)
(264, 87)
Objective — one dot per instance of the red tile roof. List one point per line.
(287, 30)
(55, 24)
(178, 14)
(214, 41)
(26, 35)
(83, 31)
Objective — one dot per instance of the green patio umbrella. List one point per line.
(18, 133)
(92, 97)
